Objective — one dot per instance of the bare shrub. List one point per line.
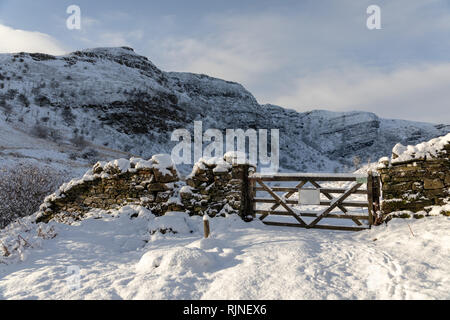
(23, 188)
(68, 115)
(73, 156)
(7, 110)
(55, 136)
(39, 131)
(92, 155)
(24, 100)
(79, 141)
(42, 101)
(54, 84)
(35, 91)
(11, 94)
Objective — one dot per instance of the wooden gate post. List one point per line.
(251, 195)
(376, 197)
(370, 196)
(247, 212)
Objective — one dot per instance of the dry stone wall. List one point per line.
(416, 181)
(216, 186)
(150, 183)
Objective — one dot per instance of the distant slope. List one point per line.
(117, 99)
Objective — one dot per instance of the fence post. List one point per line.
(251, 196)
(377, 196)
(370, 196)
(206, 228)
(247, 195)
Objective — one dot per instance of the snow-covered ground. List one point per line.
(18, 146)
(118, 257)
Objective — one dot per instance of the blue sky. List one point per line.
(298, 54)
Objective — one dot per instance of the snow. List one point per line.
(437, 210)
(382, 163)
(219, 163)
(186, 190)
(178, 259)
(425, 150)
(140, 163)
(237, 157)
(162, 162)
(122, 164)
(119, 258)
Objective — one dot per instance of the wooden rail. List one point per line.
(337, 198)
(307, 177)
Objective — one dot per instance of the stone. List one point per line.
(417, 186)
(186, 195)
(447, 179)
(162, 196)
(164, 178)
(155, 187)
(432, 184)
(403, 186)
(432, 193)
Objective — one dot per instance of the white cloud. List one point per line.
(326, 59)
(112, 39)
(238, 48)
(414, 92)
(15, 40)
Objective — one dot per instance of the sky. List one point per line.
(302, 55)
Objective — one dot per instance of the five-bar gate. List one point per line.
(308, 190)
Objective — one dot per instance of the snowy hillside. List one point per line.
(124, 255)
(116, 101)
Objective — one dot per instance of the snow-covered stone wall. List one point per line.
(150, 183)
(218, 186)
(215, 186)
(417, 177)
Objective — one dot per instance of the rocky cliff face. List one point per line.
(118, 99)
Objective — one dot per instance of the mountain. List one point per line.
(116, 102)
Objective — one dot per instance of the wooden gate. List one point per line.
(333, 202)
